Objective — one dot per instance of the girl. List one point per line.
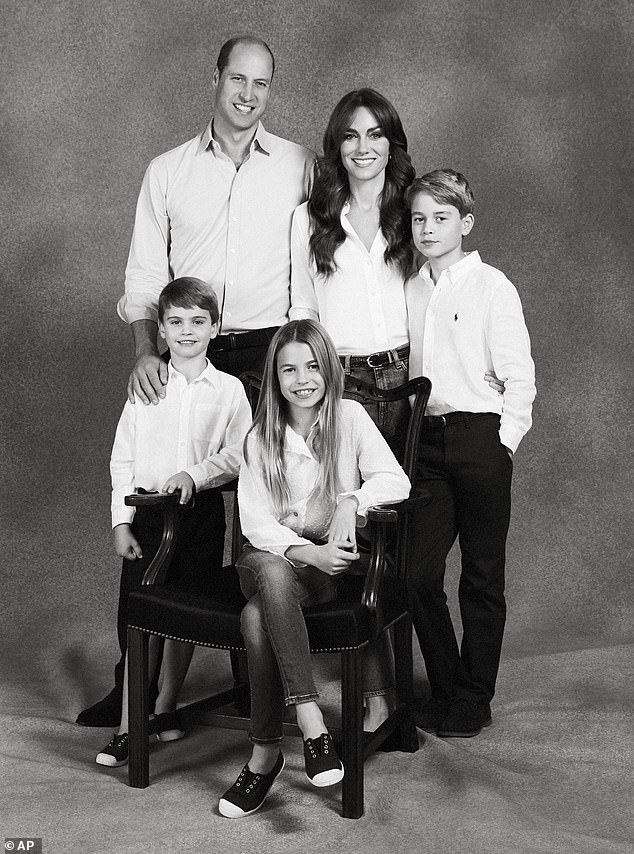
(313, 464)
(351, 248)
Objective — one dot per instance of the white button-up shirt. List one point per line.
(199, 216)
(367, 469)
(362, 304)
(469, 322)
(198, 427)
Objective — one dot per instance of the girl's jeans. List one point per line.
(274, 630)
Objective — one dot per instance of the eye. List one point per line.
(313, 366)
(262, 84)
(376, 134)
(348, 136)
(175, 321)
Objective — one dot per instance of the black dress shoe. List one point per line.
(107, 712)
(431, 715)
(465, 718)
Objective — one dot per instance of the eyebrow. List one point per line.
(440, 210)
(369, 130)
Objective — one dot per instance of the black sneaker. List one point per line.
(432, 714)
(323, 766)
(115, 753)
(249, 791)
(465, 719)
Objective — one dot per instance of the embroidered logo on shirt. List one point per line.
(455, 317)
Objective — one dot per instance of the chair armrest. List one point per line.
(380, 516)
(389, 513)
(157, 569)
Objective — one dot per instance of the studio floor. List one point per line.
(552, 774)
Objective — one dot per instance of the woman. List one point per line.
(351, 248)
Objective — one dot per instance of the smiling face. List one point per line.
(187, 331)
(300, 378)
(438, 230)
(242, 90)
(365, 149)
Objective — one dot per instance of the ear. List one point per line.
(467, 224)
(162, 330)
(215, 78)
(214, 329)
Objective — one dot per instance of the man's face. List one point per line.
(242, 91)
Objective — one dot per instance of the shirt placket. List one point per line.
(184, 415)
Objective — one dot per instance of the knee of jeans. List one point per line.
(252, 622)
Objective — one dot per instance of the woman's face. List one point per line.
(365, 149)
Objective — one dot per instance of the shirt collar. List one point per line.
(209, 374)
(378, 241)
(262, 141)
(457, 271)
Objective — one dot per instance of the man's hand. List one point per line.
(148, 379)
(343, 524)
(494, 382)
(126, 544)
(149, 375)
(181, 480)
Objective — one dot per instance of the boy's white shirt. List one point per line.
(469, 322)
(198, 427)
(367, 469)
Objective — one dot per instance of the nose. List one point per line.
(302, 376)
(362, 144)
(247, 90)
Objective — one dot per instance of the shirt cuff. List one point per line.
(510, 436)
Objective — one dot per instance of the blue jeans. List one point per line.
(274, 631)
(391, 418)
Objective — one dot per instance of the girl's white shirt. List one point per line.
(362, 304)
(367, 469)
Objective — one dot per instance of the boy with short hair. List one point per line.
(190, 441)
(465, 319)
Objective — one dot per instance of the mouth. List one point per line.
(363, 161)
(243, 109)
(304, 392)
(186, 342)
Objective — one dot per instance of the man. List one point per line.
(218, 208)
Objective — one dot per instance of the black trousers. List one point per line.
(468, 473)
(199, 553)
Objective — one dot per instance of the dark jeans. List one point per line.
(468, 473)
(391, 418)
(199, 553)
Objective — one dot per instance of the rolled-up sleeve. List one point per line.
(148, 269)
(303, 297)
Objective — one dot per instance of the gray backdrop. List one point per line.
(532, 101)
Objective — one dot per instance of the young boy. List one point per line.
(465, 319)
(190, 441)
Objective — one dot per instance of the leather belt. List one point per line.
(240, 340)
(376, 360)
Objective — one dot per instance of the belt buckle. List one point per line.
(370, 363)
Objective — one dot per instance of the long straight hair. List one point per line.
(331, 189)
(271, 414)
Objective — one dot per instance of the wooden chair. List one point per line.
(367, 606)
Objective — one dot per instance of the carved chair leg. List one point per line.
(352, 732)
(138, 709)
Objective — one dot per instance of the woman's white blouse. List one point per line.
(362, 304)
(367, 469)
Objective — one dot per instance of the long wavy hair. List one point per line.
(271, 414)
(331, 189)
